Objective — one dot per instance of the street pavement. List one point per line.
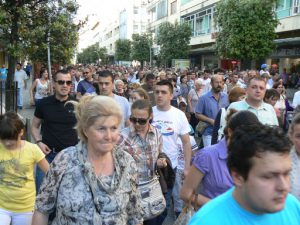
(28, 111)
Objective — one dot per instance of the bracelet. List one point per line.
(38, 141)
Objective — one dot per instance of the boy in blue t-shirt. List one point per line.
(259, 162)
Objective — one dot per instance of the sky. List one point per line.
(101, 11)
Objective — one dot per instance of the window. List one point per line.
(283, 8)
(173, 7)
(153, 14)
(185, 1)
(135, 27)
(201, 22)
(162, 9)
(296, 7)
(135, 10)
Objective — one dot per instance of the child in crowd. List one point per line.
(17, 161)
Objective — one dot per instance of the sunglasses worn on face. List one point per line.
(140, 121)
(85, 72)
(62, 82)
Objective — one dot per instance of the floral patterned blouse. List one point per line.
(77, 195)
(144, 151)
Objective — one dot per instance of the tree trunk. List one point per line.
(11, 87)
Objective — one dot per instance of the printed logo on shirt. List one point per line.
(164, 128)
(9, 167)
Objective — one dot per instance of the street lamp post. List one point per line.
(150, 55)
(99, 59)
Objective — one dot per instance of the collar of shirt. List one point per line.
(132, 132)
(210, 94)
(261, 107)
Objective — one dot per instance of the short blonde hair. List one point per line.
(90, 108)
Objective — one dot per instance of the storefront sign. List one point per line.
(286, 52)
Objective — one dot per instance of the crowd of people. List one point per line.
(123, 145)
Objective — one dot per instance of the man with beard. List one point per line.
(209, 105)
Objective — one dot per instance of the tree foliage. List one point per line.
(123, 50)
(247, 28)
(141, 45)
(174, 41)
(27, 24)
(92, 54)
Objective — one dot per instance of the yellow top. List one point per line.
(17, 186)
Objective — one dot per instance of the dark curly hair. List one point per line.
(251, 141)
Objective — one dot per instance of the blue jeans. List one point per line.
(39, 175)
(206, 140)
(20, 97)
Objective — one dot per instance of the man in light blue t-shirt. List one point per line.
(260, 164)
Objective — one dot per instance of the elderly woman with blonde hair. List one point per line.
(94, 182)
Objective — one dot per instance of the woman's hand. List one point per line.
(161, 162)
(32, 103)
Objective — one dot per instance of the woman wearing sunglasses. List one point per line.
(144, 142)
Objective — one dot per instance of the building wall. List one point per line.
(131, 19)
(200, 15)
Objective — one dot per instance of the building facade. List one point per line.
(200, 16)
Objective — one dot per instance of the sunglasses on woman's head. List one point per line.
(62, 82)
(140, 121)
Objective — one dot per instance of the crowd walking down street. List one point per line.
(110, 144)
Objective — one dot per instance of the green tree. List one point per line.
(247, 28)
(123, 50)
(174, 41)
(25, 25)
(141, 45)
(92, 54)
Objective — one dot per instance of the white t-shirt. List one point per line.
(181, 162)
(125, 107)
(172, 124)
(296, 99)
(20, 77)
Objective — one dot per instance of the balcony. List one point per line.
(289, 11)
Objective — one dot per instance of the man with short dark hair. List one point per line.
(106, 87)
(86, 86)
(149, 87)
(54, 121)
(255, 93)
(233, 82)
(173, 124)
(260, 164)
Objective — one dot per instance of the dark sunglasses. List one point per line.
(62, 82)
(140, 121)
(85, 73)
